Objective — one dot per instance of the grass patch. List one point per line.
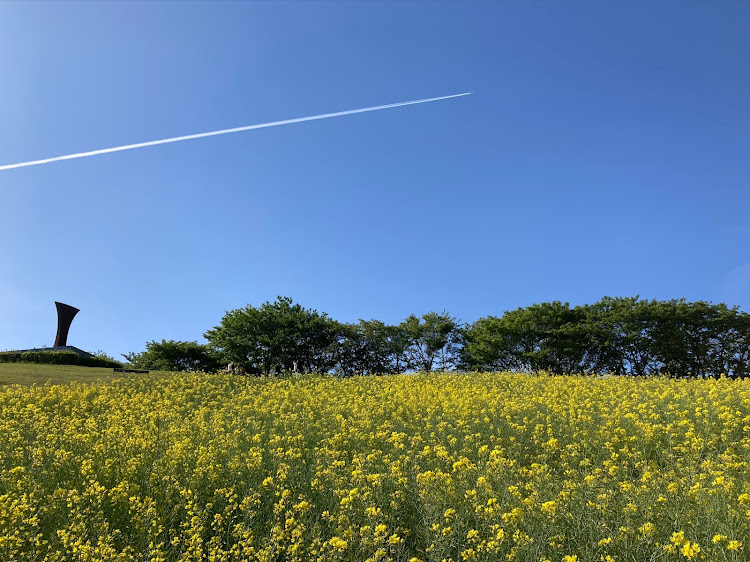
(27, 374)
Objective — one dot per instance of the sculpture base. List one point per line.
(80, 352)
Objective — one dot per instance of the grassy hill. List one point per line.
(34, 373)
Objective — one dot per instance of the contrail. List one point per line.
(224, 132)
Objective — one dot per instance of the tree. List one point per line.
(731, 352)
(434, 340)
(547, 336)
(174, 356)
(699, 338)
(370, 347)
(621, 332)
(491, 345)
(277, 336)
(623, 336)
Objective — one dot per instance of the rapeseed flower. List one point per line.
(441, 466)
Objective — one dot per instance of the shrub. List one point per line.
(57, 358)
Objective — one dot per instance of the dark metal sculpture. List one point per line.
(65, 315)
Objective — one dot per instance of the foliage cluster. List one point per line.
(616, 335)
(58, 358)
(411, 468)
(174, 356)
(283, 336)
(623, 336)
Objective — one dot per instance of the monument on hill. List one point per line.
(65, 315)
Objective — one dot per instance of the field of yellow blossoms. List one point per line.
(409, 468)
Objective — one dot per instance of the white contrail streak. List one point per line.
(224, 132)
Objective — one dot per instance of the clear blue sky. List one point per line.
(606, 151)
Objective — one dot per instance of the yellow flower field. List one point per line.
(413, 467)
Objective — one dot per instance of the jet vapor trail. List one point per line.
(224, 132)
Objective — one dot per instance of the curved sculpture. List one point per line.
(65, 315)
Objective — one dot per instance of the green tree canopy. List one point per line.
(276, 336)
(618, 335)
(623, 336)
(174, 356)
(371, 347)
(545, 336)
(433, 341)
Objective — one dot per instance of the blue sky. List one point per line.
(605, 151)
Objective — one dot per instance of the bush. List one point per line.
(175, 356)
(57, 358)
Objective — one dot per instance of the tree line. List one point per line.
(621, 336)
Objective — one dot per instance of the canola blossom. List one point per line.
(429, 467)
